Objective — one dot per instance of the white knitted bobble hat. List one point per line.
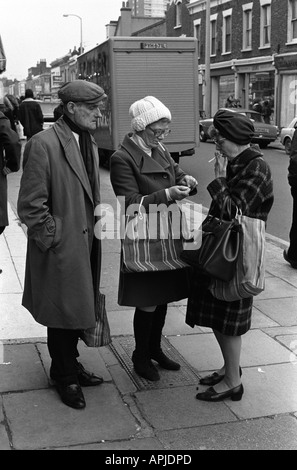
(146, 111)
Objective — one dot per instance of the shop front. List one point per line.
(255, 85)
(286, 65)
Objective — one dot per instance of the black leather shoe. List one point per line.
(211, 395)
(145, 368)
(292, 263)
(164, 361)
(87, 379)
(214, 378)
(71, 395)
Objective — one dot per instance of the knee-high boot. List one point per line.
(143, 366)
(156, 352)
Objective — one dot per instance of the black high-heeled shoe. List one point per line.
(214, 378)
(211, 395)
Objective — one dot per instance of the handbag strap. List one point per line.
(140, 216)
(226, 207)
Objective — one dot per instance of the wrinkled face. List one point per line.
(85, 115)
(155, 132)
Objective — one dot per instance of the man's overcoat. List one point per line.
(57, 205)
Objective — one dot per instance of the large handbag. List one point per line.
(249, 279)
(99, 335)
(153, 242)
(221, 239)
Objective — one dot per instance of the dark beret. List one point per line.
(233, 126)
(81, 91)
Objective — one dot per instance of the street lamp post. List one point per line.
(81, 39)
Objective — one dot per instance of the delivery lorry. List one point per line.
(130, 68)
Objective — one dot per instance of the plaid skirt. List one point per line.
(229, 318)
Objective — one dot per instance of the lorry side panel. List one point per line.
(129, 69)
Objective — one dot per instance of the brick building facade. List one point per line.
(253, 47)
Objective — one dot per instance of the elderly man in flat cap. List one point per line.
(58, 195)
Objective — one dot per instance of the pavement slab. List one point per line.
(274, 433)
(21, 369)
(39, 420)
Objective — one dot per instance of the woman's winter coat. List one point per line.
(135, 174)
(57, 205)
(249, 184)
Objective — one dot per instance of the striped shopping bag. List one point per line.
(153, 242)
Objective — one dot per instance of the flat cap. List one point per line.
(81, 91)
(234, 126)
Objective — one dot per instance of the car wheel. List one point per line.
(203, 136)
(263, 145)
(287, 145)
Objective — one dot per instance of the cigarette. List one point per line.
(211, 160)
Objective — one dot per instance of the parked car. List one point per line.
(47, 108)
(264, 133)
(286, 135)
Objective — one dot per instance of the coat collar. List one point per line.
(74, 159)
(157, 163)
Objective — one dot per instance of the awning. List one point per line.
(2, 57)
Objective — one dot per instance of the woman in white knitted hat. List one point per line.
(143, 171)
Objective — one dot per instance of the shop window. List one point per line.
(247, 26)
(226, 89)
(261, 92)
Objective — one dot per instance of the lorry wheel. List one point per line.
(175, 157)
(103, 158)
(203, 135)
(287, 145)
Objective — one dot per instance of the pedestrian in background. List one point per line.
(12, 110)
(10, 154)
(143, 167)
(242, 175)
(30, 115)
(290, 255)
(58, 195)
(58, 111)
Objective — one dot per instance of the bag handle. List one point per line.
(140, 215)
(227, 206)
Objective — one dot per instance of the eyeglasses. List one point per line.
(219, 141)
(159, 132)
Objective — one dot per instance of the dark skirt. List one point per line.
(153, 288)
(228, 318)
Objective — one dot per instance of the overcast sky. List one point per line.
(36, 29)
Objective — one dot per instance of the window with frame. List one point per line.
(227, 28)
(178, 8)
(213, 35)
(247, 27)
(197, 34)
(292, 21)
(265, 23)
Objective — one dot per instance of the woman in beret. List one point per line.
(241, 174)
(143, 171)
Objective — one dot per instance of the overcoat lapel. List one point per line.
(155, 164)
(73, 156)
